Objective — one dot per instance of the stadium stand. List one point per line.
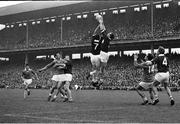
(120, 73)
(127, 26)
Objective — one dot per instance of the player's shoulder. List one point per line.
(147, 63)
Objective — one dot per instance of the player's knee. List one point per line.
(156, 83)
(139, 87)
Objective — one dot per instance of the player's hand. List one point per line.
(99, 18)
(40, 70)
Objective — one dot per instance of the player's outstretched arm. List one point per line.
(99, 18)
(94, 33)
(139, 65)
(47, 66)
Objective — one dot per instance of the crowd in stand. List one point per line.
(126, 26)
(120, 72)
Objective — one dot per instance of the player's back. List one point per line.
(95, 45)
(105, 41)
(162, 63)
(148, 73)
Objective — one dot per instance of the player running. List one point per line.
(148, 77)
(58, 78)
(27, 79)
(162, 76)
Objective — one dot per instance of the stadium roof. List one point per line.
(41, 9)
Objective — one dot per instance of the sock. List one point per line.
(145, 98)
(55, 96)
(170, 97)
(155, 96)
(91, 73)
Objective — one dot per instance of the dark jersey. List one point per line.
(27, 74)
(95, 45)
(68, 68)
(105, 41)
(162, 63)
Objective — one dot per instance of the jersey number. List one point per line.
(165, 62)
(96, 42)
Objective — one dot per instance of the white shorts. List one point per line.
(146, 85)
(162, 77)
(59, 78)
(68, 77)
(95, 60)
(104, 57)
(27, 81)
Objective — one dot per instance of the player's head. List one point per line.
(110, 35)
(26, 67)
(58, 55)
(149, 57)
(161, 50)
(67, 57)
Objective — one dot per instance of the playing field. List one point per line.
(89, 106)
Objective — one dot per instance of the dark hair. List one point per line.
(111, 35)
(150, 56)
(161, 50)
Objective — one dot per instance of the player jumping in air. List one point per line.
(58, 78)
(27, 78)
(95, 57)
(162, 76)
(105, 42)
(147, 80)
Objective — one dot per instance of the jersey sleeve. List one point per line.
(155, 60)
(104, 33)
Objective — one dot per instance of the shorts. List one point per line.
(95, 60)
(104, 57)
(162, 77)
(27, 81)
(59, 78)
(146, 85)
(68, 77)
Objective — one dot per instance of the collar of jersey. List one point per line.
(161, 55)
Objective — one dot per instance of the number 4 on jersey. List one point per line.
(165, 61)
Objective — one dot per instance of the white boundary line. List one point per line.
(57, 119)
(27, 115)
(71, 111)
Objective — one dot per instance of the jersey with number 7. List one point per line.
(162, 63)
(95, 45)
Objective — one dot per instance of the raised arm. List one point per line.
(47, 66)
(94, 33)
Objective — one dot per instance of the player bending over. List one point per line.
(58, 64)
(147, 79)
(27, 79)
(162, 76)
